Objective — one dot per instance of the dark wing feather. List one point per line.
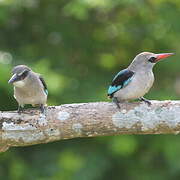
(44, 84)
(120, 80)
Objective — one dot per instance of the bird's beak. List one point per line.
(162, 56)
(13, 79)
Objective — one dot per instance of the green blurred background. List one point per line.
(78, 46)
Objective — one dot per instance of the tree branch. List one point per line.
(88, 120)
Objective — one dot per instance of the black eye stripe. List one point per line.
(23, 75)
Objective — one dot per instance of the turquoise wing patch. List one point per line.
(122, 79)
(113, 89)
(119, 73)
(127, 82)
(46, 91)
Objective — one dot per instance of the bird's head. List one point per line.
(20, 74)
(148, 60)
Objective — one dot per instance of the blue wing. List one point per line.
(121, 80)
(44, 84)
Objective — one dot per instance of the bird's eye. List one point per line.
(23, 75)
(152, 60)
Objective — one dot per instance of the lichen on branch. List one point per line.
(88, 120)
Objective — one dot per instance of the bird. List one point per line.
(136, 80)
(29, 88)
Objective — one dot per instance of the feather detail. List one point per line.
(122, 79)
(44, 84)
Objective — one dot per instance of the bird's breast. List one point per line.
(30, 96)
(138, 87)
(144, 80)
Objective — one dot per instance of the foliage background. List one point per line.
(78, 46)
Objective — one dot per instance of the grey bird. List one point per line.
(136, 80)
(29, 87)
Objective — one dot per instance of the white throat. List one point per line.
(19, 84)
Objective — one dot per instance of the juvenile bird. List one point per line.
(135, 81)
(29, 87)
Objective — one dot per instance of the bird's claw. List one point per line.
(20, 109)
(146, 101)
(115, 100)
(42, 109)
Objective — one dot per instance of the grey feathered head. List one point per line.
(147, 60)
(19, 72)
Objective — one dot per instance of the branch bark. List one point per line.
(88, 120)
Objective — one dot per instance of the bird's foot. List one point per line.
(20, 109)
(115, 100)
(145, 100)
(42, 109)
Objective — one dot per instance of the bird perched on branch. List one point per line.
(135, 81)
(29, 87)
